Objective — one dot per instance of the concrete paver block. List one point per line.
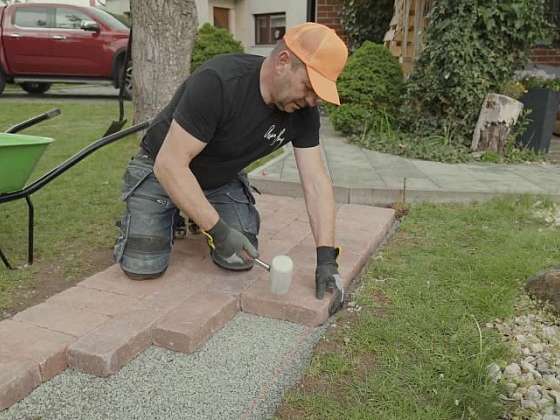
(113, 280)
(18, 377)
(44, 347)
(60, 318)
(189, 326)
(94, 300)
(108, 348)
(360, 229)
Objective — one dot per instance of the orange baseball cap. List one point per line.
(323, 53)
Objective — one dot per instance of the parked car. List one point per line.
(45, 43)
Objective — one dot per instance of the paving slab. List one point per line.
(57, 317)
(363, 176)
(188, 327)
(360, 229)
(44, 347)
(18, 377)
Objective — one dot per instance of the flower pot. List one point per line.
(543, 104)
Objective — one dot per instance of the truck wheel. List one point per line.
(35, 87)
(2, 81)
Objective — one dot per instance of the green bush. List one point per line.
(370, 87)
(366, 20)
(473, 48)
(212, 41)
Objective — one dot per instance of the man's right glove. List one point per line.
(229, 245)
(327, 276)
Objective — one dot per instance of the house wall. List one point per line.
(296, 13)
(546, 56)
(328, 13)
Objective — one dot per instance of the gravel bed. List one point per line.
(241, 372)
(532, 380)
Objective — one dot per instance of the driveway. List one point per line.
(63, 91)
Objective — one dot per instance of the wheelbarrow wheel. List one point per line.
(35, 87)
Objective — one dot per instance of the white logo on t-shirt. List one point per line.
(273, 138)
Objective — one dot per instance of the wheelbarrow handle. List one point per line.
(71, 161)
(34, 120)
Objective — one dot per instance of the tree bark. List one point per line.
(498, 115)
(163, 36)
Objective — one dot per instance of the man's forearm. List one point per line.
(319, 198)
(186, 193)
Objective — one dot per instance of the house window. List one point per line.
(269, 28)
(221, 18)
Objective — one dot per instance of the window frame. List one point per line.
(270, 40)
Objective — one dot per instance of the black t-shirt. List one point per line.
(221, 105)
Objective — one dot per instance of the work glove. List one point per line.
(327, 277)
(226, 241)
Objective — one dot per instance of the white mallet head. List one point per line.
(281, 271)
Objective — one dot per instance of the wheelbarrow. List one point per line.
(19, 155)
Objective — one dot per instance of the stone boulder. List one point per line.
(545, 286)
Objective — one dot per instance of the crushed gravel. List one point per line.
(532, 380)
(241, 373)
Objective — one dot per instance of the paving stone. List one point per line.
(360, 229)
(108, 348)
(94, 300)
(60, 318)
(44, 347)
(113, 280)
(188, 327)
(18, 377)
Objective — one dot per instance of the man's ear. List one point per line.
(282, 60)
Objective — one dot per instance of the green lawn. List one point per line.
(75, 214)
(414, 350)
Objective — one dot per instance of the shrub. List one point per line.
(472, 49)
(370, 86)
(212, 41)
(366, 20)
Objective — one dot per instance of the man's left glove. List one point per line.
(327, 276)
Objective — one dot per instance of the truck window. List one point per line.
(109, 20)
(31, 18)
(69, 18)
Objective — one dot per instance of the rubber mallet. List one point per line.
(281, 270)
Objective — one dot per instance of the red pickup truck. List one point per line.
(45, 43)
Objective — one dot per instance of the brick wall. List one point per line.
(328, 13)
(549, 56)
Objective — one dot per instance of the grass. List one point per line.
(75, 214)
(418, 348)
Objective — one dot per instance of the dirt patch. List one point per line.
(382, 303)
(318, 384)
(50, 280)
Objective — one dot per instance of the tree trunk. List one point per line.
(498, 115)
(163, 36)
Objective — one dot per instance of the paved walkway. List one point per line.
(363, 176)
(107, 320)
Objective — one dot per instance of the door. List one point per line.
(221, 17)
(26, 40)
(74, 51)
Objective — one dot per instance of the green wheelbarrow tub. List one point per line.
(18, 156)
